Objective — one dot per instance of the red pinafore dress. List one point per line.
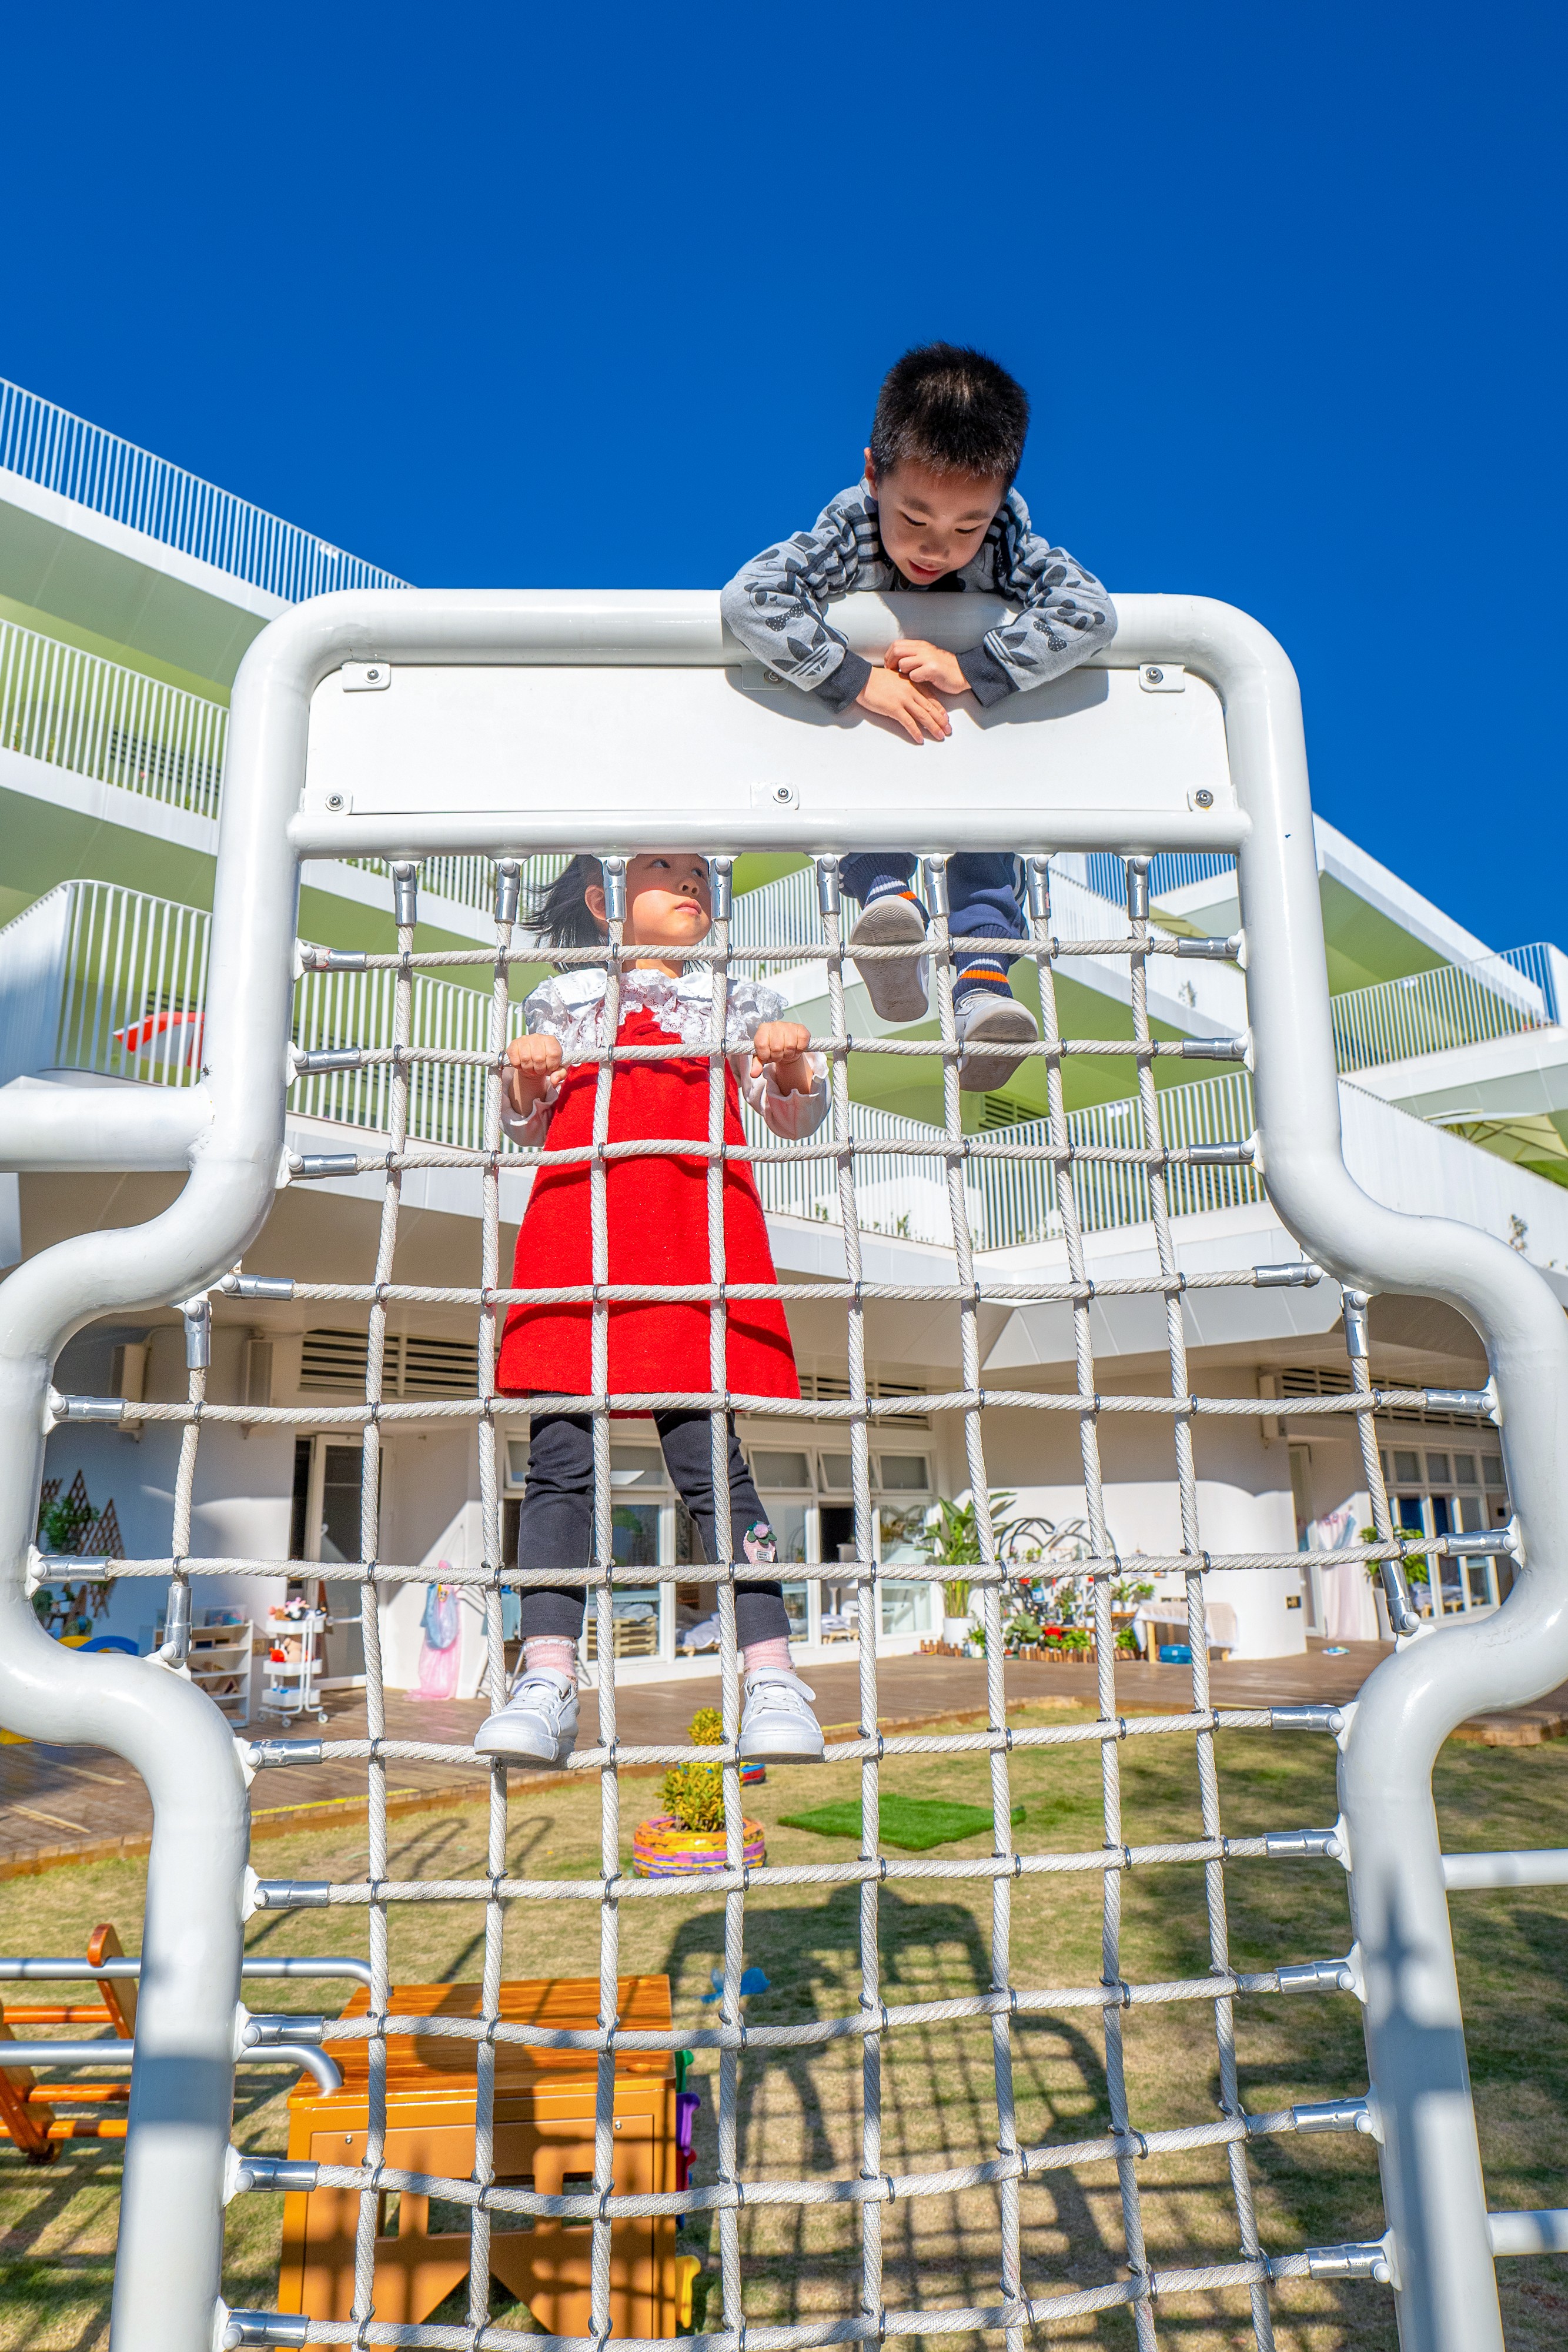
(657, 1214)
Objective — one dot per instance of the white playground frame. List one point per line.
(229, 1131)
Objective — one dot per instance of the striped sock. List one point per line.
(985, 975)
(896, 890)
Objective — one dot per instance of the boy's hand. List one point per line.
(900, 699)
(533, 1062)
(927, 664)
(783, 1043)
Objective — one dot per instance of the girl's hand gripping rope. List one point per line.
(533, 1061)
(781, 1045)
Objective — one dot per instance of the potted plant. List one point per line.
(707, 1730)
(1021, 1635)
(956, 1611)
(687, 1837)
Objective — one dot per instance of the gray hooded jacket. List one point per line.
(777, 604)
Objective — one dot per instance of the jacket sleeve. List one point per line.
(1064, 616)
(776, 604)
(531, 1132)
(792, 1117)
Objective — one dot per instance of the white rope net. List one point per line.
(1003, 2165)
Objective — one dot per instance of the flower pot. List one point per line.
(955, 1630)
(662, 1849)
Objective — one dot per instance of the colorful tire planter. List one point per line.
(663, 1849)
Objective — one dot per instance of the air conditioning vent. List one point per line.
(415, 1365)
(334, 1359)
(833, 1387)
(1315, 1380)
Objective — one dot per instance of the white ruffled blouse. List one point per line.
(570, 1006)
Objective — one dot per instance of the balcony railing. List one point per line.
(1452, 1005)
(74, 710)
(785, 911)
(1171, 869)
(95, 977)
(60, 452)
(98, 977)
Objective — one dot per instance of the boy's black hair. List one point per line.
(558, 911)
(952, 409)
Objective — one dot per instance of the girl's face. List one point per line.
(668, 901)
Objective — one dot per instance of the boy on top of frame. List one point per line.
(936, 509)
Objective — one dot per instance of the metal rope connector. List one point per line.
(405, 894)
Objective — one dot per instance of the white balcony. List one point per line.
(99, 981)
(69, 458)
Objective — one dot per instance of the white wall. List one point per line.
(1244, 1504)
(430, 1513)
(240, 1508)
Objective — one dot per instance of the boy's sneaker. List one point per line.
(536, 1725)
(897, 989)
(994, 1031)
(778, 1725)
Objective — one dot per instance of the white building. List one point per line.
(128, 595)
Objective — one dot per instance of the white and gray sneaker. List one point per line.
(994, 1031)
(898, 988)
(778, 1725)
(536, 1725)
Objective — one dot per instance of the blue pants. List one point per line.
(982, 889)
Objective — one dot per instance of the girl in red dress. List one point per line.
(656, 1213)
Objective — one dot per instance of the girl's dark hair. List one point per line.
(952, 409)
(558, 911)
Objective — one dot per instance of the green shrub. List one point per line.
(693, 1793)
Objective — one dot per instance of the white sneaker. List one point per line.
(897, 989)
(536, 1725)
(994, 1031)
(778, 1725)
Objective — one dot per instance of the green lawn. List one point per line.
(801, 2112)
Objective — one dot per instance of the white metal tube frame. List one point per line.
(229, 1132)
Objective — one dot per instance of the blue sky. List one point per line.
(603, 299)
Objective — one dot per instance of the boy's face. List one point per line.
(933, 523)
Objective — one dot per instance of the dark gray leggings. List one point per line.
(556, 1523)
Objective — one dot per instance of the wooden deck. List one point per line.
(61, 1805)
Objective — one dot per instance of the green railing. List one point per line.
(72, 710)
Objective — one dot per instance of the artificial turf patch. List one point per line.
(915, 1823)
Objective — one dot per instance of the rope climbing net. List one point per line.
(1011, 2168)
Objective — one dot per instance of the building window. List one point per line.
(1444, 1490)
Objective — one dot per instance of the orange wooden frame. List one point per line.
(544, 2110)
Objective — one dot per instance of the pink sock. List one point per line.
(551, 1653)
(768, 1653)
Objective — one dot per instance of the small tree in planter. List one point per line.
(686, 1838)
